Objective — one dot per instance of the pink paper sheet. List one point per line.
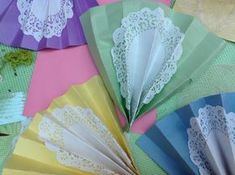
(57, 70)
(54, 73)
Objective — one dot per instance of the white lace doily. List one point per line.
(170, 39)
(44, 18)
(211, 128)
(55, 130)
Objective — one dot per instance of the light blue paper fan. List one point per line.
(196, 139)
(11, 107)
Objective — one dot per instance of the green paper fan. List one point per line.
(145, 52)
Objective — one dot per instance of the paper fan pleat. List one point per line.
(11, 107)
(200, 135)
(41, 161)
(146, 39)
(5, 6)
(86, 149)
(21, 172)
(154, 52)
(78, 133)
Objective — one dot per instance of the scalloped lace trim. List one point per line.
(52, 134)
(44, 18)
(211, 119)
(132, 26)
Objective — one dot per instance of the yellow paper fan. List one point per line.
(78, 134)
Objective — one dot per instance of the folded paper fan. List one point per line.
(42, 24)
(78, 134)
(200, 136)
(207, 84)
(9, 134)
(156, 45)
(6, 144)
(11, 107)
(146, 51)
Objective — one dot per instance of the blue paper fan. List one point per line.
(196, 139)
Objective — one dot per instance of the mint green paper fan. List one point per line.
(7, 146)
(7, 142)
(218, 78)
(11, 132)
(146, 51)
(10, 129)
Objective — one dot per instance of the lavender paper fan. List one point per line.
(196, 139)
(39, 24)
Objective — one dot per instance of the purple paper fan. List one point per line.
(39, 24)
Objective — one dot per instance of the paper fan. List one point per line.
(8, 136)
(146, 51)
(42, 24)
(77, 134)
(205, 85)
(11, 107)
(196, 139)
(6, 147)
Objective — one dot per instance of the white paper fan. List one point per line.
(146, 49)
(82, 141)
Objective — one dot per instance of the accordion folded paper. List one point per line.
(8, 137)
(10, 128)
(78, 134)
(195, 139)
(11, 107)
(42, 24)
(6, 144)
(145, 51)
(207, 84)
(217, 15)
(155, 43)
